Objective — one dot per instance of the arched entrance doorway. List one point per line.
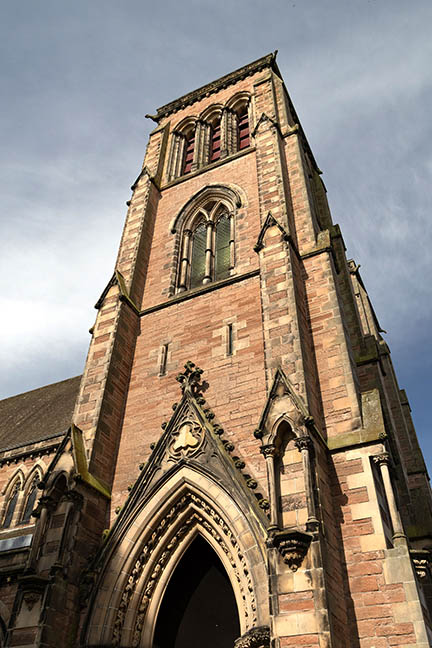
(199, 606)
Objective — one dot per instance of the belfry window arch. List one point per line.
(11, 501)
(31, 492)
(207, 244)
(237, 121)
(184, 150)
(218, 132)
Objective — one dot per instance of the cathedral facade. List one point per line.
(237, 466)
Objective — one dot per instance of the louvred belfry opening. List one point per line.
(243, 130)
(215, 143)
(199, 606)
(189, 154)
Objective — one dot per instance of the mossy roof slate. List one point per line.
(37, 414)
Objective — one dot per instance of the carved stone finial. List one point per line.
(254, 638)
(190, 378)
(292, 545)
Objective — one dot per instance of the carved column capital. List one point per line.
(73, 497)
(45, 502)
(383, 458)
(254, 638)
(303, 443)
(421, 559)
(268, 450)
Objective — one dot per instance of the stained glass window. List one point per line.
(222, 261)
(197, 270)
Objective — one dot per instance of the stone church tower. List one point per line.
(240, 468)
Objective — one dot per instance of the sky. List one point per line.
(78, 79)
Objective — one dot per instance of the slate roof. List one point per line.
(38, 414)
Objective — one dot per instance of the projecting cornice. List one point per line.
(215, 86)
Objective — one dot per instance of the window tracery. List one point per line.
(207, 245)
(11, 505)
(31, 500)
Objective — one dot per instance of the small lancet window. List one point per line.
(243, 129)
(222, 251)
(198, 260)
(230, 340)
(189, 153)
(13, 499)
(31, 500)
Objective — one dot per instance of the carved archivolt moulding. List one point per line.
(158, 548)
(254, 638)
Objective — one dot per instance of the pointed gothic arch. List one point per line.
(12, 494)
(205, 238)
(144, 550)
(198, 602)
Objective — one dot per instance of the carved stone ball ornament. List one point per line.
(254, 638)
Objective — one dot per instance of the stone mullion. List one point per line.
(224, 133)
(205, 146)
(269, 452)
(185, 260)
(383, 461)
(232, 133)
(172, 157)
(46, 504)
(179, 155)
(198, 147)
(232, 241)
(304, 444)
(209, 255)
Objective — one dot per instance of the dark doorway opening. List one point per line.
(199, 607)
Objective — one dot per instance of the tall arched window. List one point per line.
(31, 501)
(199, 603)
(207, 245)
(11, 505)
